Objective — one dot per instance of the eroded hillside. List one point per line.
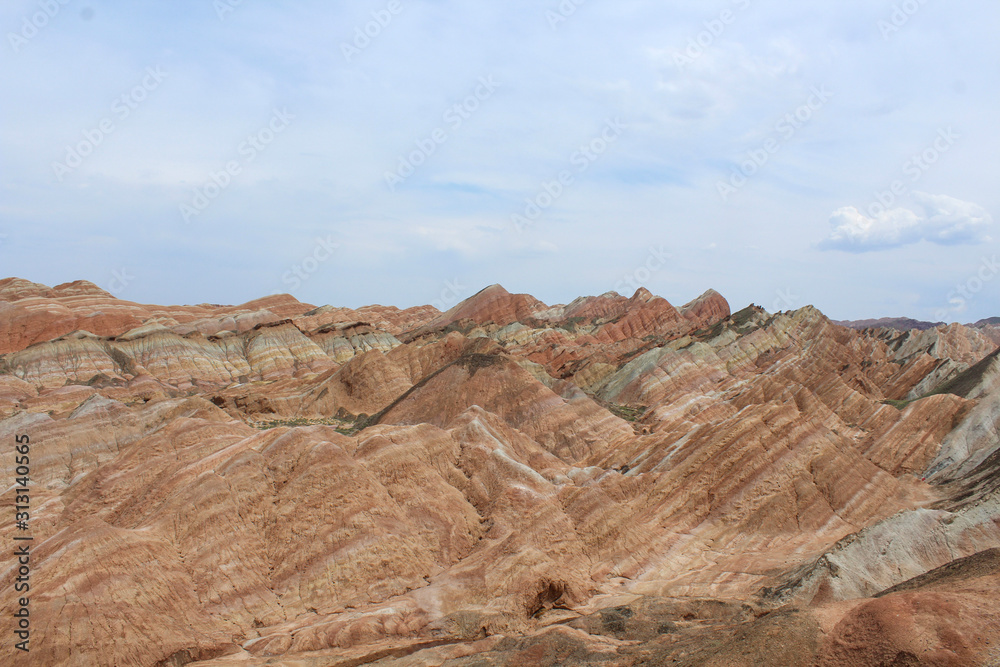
(613, 481)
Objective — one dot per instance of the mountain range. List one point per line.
(612, 481)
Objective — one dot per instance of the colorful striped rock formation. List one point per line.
(613, 481)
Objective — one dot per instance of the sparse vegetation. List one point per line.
(960, 385)
(472, 362)
(741, 317)
(627, 412)
(461, 326)
(712, 331)
(342, 426)
(124, 364)
(963, 383)
(571, 323)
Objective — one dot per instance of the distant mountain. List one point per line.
(898, 323)
(989, 327)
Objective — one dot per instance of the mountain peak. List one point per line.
(15, 289)
(642, 294)
(81, 288)
(707, 308)
(495, 288)
(491, 304)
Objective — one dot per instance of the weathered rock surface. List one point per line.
(613, 481)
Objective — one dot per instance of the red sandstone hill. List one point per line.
(492, 304)
(708, 308)
(613, 481)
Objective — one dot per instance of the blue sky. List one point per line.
(842, 154)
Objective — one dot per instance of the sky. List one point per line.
(838, 153)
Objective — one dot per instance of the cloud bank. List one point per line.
(941, 219)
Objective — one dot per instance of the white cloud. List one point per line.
(943, 220)
(854, 231)
(953, 221)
